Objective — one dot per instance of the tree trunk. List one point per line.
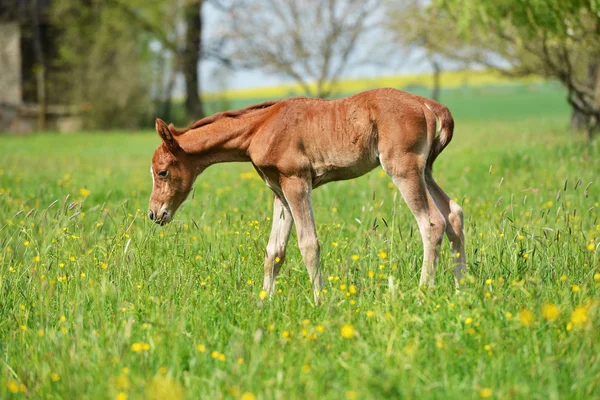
(190, 59)
(579, 120)
(40, 66)
(437, 71)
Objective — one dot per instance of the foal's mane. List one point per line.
(220, 115)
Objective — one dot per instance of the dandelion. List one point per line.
(247, 396)
(222, 357)
(121, 396)
(575, 288)
(140, 347)
(355, 257)
(26, 243)
(550, 311)
(320, 328)
(214, 354)
(488, 281)
(240, 361)
(163, 370)
(55, 377)
(563, 278)
(40, 333)
(439, 344)
(488, 348)
(591, 247)
(579, 315)
(485, 393)
(382, 254)
(84, 192)
(352, 289)
(525, 317)
(468, 321)
(200, 348)
(13, 386)
(351, 395)
(370, 314)
(372, 274)
(262, 295)
(306, 368)
(597, 276)
(347, 331)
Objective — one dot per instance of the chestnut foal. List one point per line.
(298, 144)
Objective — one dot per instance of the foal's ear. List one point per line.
(167, 136)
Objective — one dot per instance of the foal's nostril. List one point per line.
(151, 215)
(165, 214)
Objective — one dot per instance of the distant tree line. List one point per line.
(120, 61)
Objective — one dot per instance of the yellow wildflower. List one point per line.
(263, 294)
(579, 315)
(550, 311)
(525, 317)
(485, 393)
(347, 331)
(13, 386)
(575, 288)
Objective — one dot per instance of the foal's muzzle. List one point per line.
(161, 218)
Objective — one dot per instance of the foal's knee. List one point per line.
(437, 227)
(309, 246)
(456, 218)
(276, 252)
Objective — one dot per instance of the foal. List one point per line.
(298, 144)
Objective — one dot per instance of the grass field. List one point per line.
(98, 302)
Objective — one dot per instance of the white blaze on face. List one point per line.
(152, 175)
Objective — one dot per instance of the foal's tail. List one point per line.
(444, 131)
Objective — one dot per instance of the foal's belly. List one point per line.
(325, 174)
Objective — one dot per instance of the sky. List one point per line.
(215, 77)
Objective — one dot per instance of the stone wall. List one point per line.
(10, 64)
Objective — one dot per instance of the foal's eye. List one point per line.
(163, 173)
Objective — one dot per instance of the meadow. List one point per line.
(98, 302)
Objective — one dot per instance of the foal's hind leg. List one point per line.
(407, 174)
(280, 233)
(453, 214)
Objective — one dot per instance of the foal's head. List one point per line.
(173, 174)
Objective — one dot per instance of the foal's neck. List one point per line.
(224, 140)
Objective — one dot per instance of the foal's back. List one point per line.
(335, 139)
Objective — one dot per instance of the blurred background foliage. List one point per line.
(120, 63)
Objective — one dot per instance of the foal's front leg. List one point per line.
(280, 233)
(297, 192)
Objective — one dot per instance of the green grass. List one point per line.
(98, 302)
(507, 102)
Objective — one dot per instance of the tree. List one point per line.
(313, 44)
(553, 38)
(179, 34)
(104, 62)
(417, 26)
